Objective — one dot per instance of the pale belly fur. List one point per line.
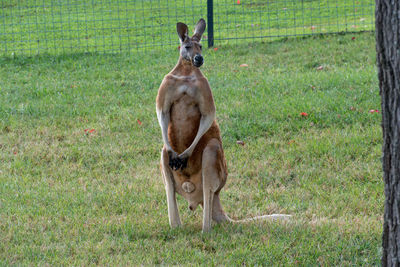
(184, 124)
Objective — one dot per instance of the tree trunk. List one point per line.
(388, 59)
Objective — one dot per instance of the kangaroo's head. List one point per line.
(190, 46)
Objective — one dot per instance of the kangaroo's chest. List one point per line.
(185, 107)
(185, 118)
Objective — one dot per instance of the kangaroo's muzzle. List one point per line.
(198, 60)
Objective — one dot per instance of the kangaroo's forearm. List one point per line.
(205, 124)
(163, 120)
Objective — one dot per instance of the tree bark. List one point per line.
(387, 15)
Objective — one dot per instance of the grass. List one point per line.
(70, 197)
(34, 27)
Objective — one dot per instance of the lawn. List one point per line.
(47, 26)
(80, 144)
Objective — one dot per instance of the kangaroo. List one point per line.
(192, 159)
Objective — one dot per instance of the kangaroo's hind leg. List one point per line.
(173, 213)
(218, 214)
(211, 178)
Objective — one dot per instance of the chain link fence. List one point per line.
(31, 27)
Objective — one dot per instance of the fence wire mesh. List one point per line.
(33, 27)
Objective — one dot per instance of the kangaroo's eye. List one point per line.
(188, 46)
(201, 47)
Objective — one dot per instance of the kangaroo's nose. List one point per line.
(198, 60)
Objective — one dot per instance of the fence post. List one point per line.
(210, 26)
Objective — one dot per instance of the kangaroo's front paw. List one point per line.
(183, 161)
(174, 161)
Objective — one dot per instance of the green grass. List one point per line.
(72, 198)
(34, 27)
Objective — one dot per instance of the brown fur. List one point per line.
(184, 124)
(186, 113)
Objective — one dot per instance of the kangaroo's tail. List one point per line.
(270, 217)
(218, 215)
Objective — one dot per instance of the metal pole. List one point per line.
(210, 26)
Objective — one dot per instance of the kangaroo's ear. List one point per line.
(199, 29)
(182, 30)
